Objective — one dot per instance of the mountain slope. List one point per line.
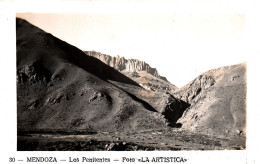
(60, 87)
(35, 44)
(218, 101)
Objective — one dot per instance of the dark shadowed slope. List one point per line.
(60, 87)
(34, 44)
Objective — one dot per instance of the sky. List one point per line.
(181, 46)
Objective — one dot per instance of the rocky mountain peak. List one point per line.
(127, 65)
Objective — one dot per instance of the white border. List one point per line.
(8, 68)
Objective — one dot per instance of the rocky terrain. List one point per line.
(60, 87)
(127, 65)
(69, 95)
(218, 101)
(138, 71)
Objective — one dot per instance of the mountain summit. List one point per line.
(125, 65)
(137, 70)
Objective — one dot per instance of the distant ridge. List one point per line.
(128, 65)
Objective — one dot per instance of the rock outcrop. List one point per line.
(172, 109)
(32, 73)
(127, 65)
(190, 92)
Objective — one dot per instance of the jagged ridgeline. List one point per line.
(139, 71)
(128, 65)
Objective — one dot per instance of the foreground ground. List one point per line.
(126, 141)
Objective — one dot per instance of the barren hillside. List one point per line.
(218, 101)
(60, 87)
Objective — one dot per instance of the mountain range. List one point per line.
(62, 88)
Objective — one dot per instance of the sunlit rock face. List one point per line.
(127, 65)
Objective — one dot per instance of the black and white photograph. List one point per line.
(71, 98)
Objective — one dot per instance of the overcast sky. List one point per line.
(180, 46)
